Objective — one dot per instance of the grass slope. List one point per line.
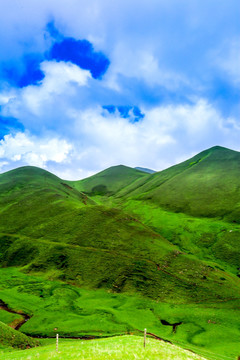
(124, 347)
(208, 239)
(96, 246)
(206, 185)
(109, 181)
(10, 338)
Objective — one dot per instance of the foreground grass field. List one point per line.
(123, 347)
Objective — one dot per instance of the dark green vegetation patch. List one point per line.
(12, 338)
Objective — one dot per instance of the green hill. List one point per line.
(109, 181)
(206, 185)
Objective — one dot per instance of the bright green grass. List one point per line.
(75, 311)
(124, 348)
(208, 239)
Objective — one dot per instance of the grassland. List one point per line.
(124, 250)
(124, 347)
(205, 326)
(209, 239)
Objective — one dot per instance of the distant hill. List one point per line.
(149, 171)
(109, 181)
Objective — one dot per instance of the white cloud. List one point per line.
(60, 78)
(95, 139)
(144, 65)
(25, 149)
(159, 140)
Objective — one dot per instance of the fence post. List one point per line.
(56, 342)
(144, 341)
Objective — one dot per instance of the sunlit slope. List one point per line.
(31, 183)
(116, 348)
(48, 227)
(206, 185)
(109, 181)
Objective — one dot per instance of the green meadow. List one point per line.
(123, 347)
(76, 312)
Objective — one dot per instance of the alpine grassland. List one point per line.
(122, 251)
(123, 347)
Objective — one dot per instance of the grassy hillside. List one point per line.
(207, 239)
(206, 185)
(95, 246)
(109, 181)
(124, 347)
(11, 338)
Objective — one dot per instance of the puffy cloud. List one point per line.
(35, 102)
(165, 133)
(25, 149)
(95, 139)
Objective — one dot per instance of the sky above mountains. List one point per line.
(87, 85)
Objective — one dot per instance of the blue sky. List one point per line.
(88, 85)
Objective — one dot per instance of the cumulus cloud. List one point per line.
(157, 141)
(96, 139)
(25, 149)
(35, 105)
